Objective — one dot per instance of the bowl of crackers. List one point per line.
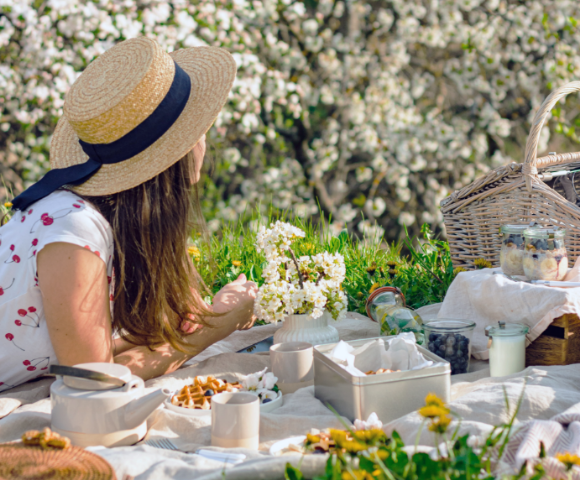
(195, 399)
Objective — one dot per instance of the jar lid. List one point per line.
(373, 297)
(503, 329)
(514, 228)
(448, 325)
(545, 232)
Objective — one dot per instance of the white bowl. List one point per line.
(281, 445)
(197, 412)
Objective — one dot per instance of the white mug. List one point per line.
(235, 420)
(293, 364)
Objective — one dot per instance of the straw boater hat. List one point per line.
(134, 112)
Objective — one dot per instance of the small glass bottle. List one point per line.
(545, 256)
(507, 348)
(511, 255)
(386, 306)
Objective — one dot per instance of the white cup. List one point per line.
(235, 420)
(293, 364)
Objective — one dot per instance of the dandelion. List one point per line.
(372, 269)
(458, 270)
(441, 425)
(433, 411)
(568, 459)
(374, 287)
(393, 272)
(481, 263)
(432, 399)
(8, 204)
(236, 263)
(360, 294)
(194, 252)
(392, 264)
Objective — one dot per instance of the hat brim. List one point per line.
(212, 71)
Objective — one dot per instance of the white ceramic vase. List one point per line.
(304, 328)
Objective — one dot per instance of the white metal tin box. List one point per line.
(389, 395)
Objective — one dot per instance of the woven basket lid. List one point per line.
(22, 462)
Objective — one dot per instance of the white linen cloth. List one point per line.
(478, 399)
(486, 299)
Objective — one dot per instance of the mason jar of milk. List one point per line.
(507, 348)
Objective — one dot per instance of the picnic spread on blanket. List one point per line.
(318, 380)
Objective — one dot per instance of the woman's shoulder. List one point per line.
(63, 216)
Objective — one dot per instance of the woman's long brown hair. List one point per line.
(155, 276)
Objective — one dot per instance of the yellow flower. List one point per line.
(432, 399)
(481, 263)
(372, 269)
(8, 204)
(568, 459)
(458, 270)
(236, 263)
(440, 426)
(356, 475)
(433, 411)
(359, 294)
(194, 251)
(374, 287)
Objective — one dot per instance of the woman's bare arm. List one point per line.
(75, 295)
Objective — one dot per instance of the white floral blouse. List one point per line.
(25, 347)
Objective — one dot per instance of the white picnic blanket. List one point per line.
(478, 399)
(487, 299)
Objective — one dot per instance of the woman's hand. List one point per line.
(237, 299)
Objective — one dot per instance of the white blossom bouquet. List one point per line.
(306, 285)
(261, 384)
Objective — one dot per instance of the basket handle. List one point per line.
(529, 168)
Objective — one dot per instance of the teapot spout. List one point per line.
(137, 411)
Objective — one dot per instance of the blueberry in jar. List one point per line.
(266, 400)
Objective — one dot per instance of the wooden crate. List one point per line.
(558, 345)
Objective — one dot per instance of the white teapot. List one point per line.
(101, 404)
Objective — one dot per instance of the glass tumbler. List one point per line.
(545, 256)
(451, 340)
(511, 255)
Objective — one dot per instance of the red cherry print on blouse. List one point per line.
(87, 247)
(23, 218)
(108, 281)
(111, 297)
(44, 368)
(47, 221)
(97, 253)
(81, 201)
(31, 368)
(22, 312)
(26, 362)
(2, 290)
(76, 205)
(18, 322)
(34, 253)
(9, 337)
(16, 259)
(43, 216)
(35, 242)
(12, 247)
(31, 309)
(29, 211)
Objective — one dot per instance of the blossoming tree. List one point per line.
(374, 110)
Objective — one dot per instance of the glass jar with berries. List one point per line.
(545, 256)
(451, 340)
(511, 255)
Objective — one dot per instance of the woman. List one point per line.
(93, 263)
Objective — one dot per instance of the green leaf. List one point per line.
(292, 473)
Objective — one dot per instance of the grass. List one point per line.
(423, 274)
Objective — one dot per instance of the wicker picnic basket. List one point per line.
(516, 193)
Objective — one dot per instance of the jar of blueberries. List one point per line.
(511, 255)
(545, 256)
(450, 340)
